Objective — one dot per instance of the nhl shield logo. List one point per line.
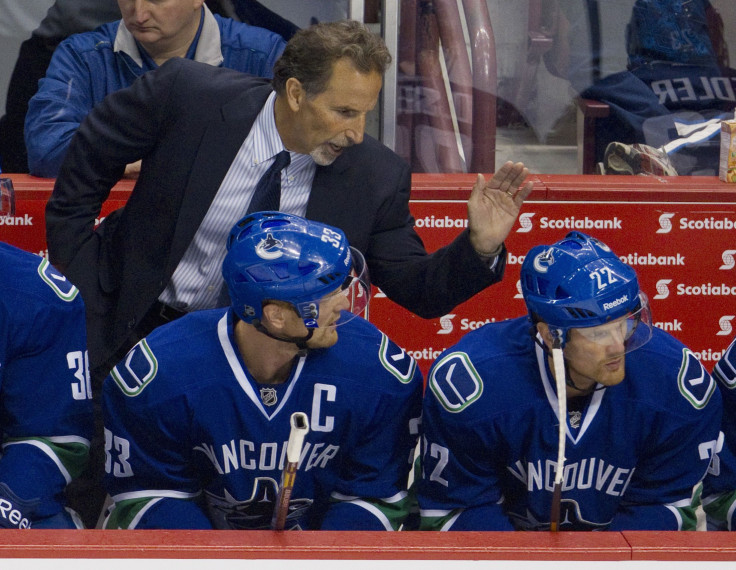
(269, 396)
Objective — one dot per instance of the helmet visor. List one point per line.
(7, 197)
(632, 331)
(356, 288)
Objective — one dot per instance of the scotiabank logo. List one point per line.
(24, 220)
(651, 259)
(446, 326)
(569, 223)
(441, 222)
(519, 294)
(725, 323)
(665, 225)
(663, 290)
(700, 290)
(470, 325)
(728, 259)
(710, 223)
(698, 224)
(525, 223)
(706, 290)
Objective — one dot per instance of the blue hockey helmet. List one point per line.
(273, 256)
(578, 282)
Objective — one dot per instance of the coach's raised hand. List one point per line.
(494, 206)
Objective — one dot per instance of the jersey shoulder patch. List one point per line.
(396, 360)
(455, 382)
(136, 371)
(694, 382)
(725, 369)
(58, 283)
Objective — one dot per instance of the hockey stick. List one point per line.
(559, 365)
(299, 430)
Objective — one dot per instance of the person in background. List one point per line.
(206, 137)
(64, 18)
(579, 416)
(87, 67)
(45, 391)
(256, 14)
(197, 416)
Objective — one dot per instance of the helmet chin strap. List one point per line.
(558, 360)
(300, 342)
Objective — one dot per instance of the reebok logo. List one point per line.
(12, 515)
(616, 303)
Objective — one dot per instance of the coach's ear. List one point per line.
(295, 93)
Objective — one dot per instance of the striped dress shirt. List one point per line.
(197, 281)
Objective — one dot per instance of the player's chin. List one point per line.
(611, 378)
(326, 338)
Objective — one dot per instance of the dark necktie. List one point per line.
(267, 195)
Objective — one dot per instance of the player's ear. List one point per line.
(543, 330)
(273, 313)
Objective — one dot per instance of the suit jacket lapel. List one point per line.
(217, 148)
(336, 199)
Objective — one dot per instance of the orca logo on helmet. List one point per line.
(269, 248)
(544, 260)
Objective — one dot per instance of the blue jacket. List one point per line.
(86, 67)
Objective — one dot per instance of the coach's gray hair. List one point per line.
(311, 53)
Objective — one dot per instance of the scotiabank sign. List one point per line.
(684, 254)
(27, 230)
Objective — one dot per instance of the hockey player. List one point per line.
(198, 413)
(45, 396)
(719, 490)
(640, 415)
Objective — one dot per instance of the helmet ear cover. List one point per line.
(578, 282)
(273, 256)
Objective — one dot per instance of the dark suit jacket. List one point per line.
(187, 121)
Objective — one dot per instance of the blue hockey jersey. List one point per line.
(193, 441)
(45, 394)
(635, 453)
(719, 489)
